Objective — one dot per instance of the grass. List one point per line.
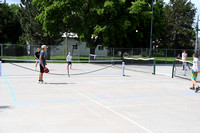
(159, 60)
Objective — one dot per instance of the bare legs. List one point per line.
(41, 77)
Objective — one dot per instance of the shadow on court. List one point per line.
(60, 83)
(5, 107)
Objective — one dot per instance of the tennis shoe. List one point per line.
(42, 82)
(197, 89)
(192, 88)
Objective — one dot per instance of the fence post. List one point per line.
(89, 58)
(1, 51)
(113, 53)
(78, 53)
(0, 67)
(166, 56)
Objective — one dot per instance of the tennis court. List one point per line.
(96, 98)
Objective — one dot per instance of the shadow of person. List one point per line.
(60, 83)
(4, 107)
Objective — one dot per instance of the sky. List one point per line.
(196, 2)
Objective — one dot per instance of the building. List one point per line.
(76, 48)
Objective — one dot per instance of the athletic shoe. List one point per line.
(192, 88)
(197, 89)
(42, 82)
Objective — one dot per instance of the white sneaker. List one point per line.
(43, 82)
(39, 82)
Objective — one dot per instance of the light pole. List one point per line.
(197, 32)
(151, 33)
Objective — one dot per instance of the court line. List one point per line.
(11, 89)
(97, 90)
(115, 112)
(155, 104)
(105, 98)
(157, 85)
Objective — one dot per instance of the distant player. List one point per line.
(178, 56)
(194, 73)
(37, 56)
(184, 56)
(42, 64)
(69, 60)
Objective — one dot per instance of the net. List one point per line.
(140, 65)
(182, 69)
(62, 68)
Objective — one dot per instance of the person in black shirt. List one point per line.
(37, 56)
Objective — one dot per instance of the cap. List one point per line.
(44, 46)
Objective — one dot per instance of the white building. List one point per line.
(77, 48)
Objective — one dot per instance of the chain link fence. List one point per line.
(79, 52)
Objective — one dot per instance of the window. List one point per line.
(100, 47)
(75, 46)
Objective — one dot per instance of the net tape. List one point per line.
(149, 62)
(63, 61)
(182, 69)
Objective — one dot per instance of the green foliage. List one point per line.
(108, 22)
(179, 17)
(10, 29)
(114, 23)
(33, 31)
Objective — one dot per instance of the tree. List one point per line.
(179, 17)
(10, 29)
(33, 31)
(112, 23)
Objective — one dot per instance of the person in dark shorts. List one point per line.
(37, 56)
(69, 60)
(42, 64)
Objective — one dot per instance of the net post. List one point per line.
(173, 69)
(0, 67)
(68, 70)
(154, 67)
(89, 58)
(185, 68)
(123, 69)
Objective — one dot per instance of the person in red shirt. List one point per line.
(179, 56)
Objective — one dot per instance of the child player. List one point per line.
(37, 56)
(184, 56)
(69, 60)
(194, 73)
(42, 64)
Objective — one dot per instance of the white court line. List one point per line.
(122, 116)
(152, 104)
(166, 74)
(66, 94)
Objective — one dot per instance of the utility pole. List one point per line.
(197, 32)
(150, 50)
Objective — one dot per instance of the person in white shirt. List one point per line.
(69, 60)
(184, 56)
(194, 73)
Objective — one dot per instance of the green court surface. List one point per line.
(102, 101)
